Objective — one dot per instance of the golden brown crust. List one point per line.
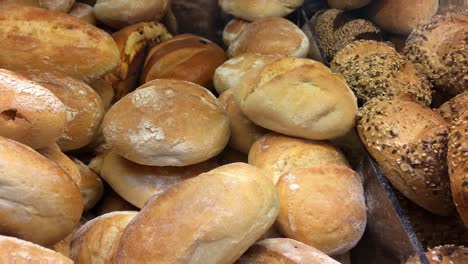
(232, 29)
(84, 12)
(257, 9)
(91, 187)
(452, 109)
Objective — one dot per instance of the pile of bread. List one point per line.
(199, 154)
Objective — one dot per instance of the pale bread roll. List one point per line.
(258, 9)
(232, 29)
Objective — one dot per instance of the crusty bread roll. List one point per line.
(112, 202)
(276, 154)
(374, 69)
(322, 206)
(162, 112)
(29, 113)
(97, 240)
(284, 250)
(121, 13)
(84, 12)
(452, 109)
(212, 218)
(257, 9)
(232, 29)
(40, 202)
(347, 4)
(63, 43)
(138, 183)
(19, 251)
(409, 142)
(91, 187)
(273, 35)
(448, 254)
(298, 97)
(53, 153)
(83, 104)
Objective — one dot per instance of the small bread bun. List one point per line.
(91, 187)
(448, 254)
(374, 69)
(112, 202)
(212, 218)
(276, 154)
(97, 240)
(396, 16)
(233, 29)
(284, 250)
(29, 113)
(273, 35)
(322, 206)
(84, 12)
(409, 142)
(19, 251)
(347, 4)
(84, 106)
(257, 9)
(162, 111)
(438, 50)
(452, 109)
(138, 183)
(41, 203)
(298, 97)
(243, 131)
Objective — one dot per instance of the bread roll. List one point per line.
(452, 109)
(63, 43)
(347, 4)
(54, 154)
(138, 183)
(29, 113)
(448, 254)
(272, 35)
(84, 12)
(212, 218)
(162, 112)
(19, 251)
(233, 29)
(40, 202)
(121, 13)
(112, 202)
(184, 57)
(257, 9)
(374, 69)
(438, 49)
(97, 240)
(83, 104)
(322, 206)
(284, 250)
(409, 142)
(298, 97)
(91, 187)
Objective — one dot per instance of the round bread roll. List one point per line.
(84, 12)
(438, 49)
(335, 29)
(112, 202)
(284, 250)
(229, 75)
(298, 97)
(448, 254)
(91, 187)
(18, 251)
(452, 109)
(83, 104)
(57, 5)
(138, 183)
(121, 13)
(322, 206)
(258, 9)
(212, 218)
(243, 132)
(40, 202)
(347, 4)
(97, 240)
(276, 154)
(233, 29)
(273, 35)
(374, 69)
(396, 16)
(409, 142)
(184, 57)
(29, 113)
(53, 153)
(149, 126)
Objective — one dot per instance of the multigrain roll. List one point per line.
(448, 254)
(276, 154)
(91, 187)
(41, 203)
(84, 12)
(29, 113)
(212, 218)
(452, 109)
(323, 207)
(284, 250)
(409, 141)
(273, 35)
(233, 29)
(258, 9)
(162, 111)
(347, 4)
(324, 107)
(438, 50)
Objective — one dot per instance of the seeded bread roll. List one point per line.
(448, 254)
(273, 35)
(84, 12)
(347, 4)
(233, 29)
(284, 250)
(452, 109)
(374, 69)
(149, 126)
(29, 113)
(112, 202)
(323, 207)
(409, 141)
(212, 218)
(258, 9)
(298, 97)
(91, 187)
